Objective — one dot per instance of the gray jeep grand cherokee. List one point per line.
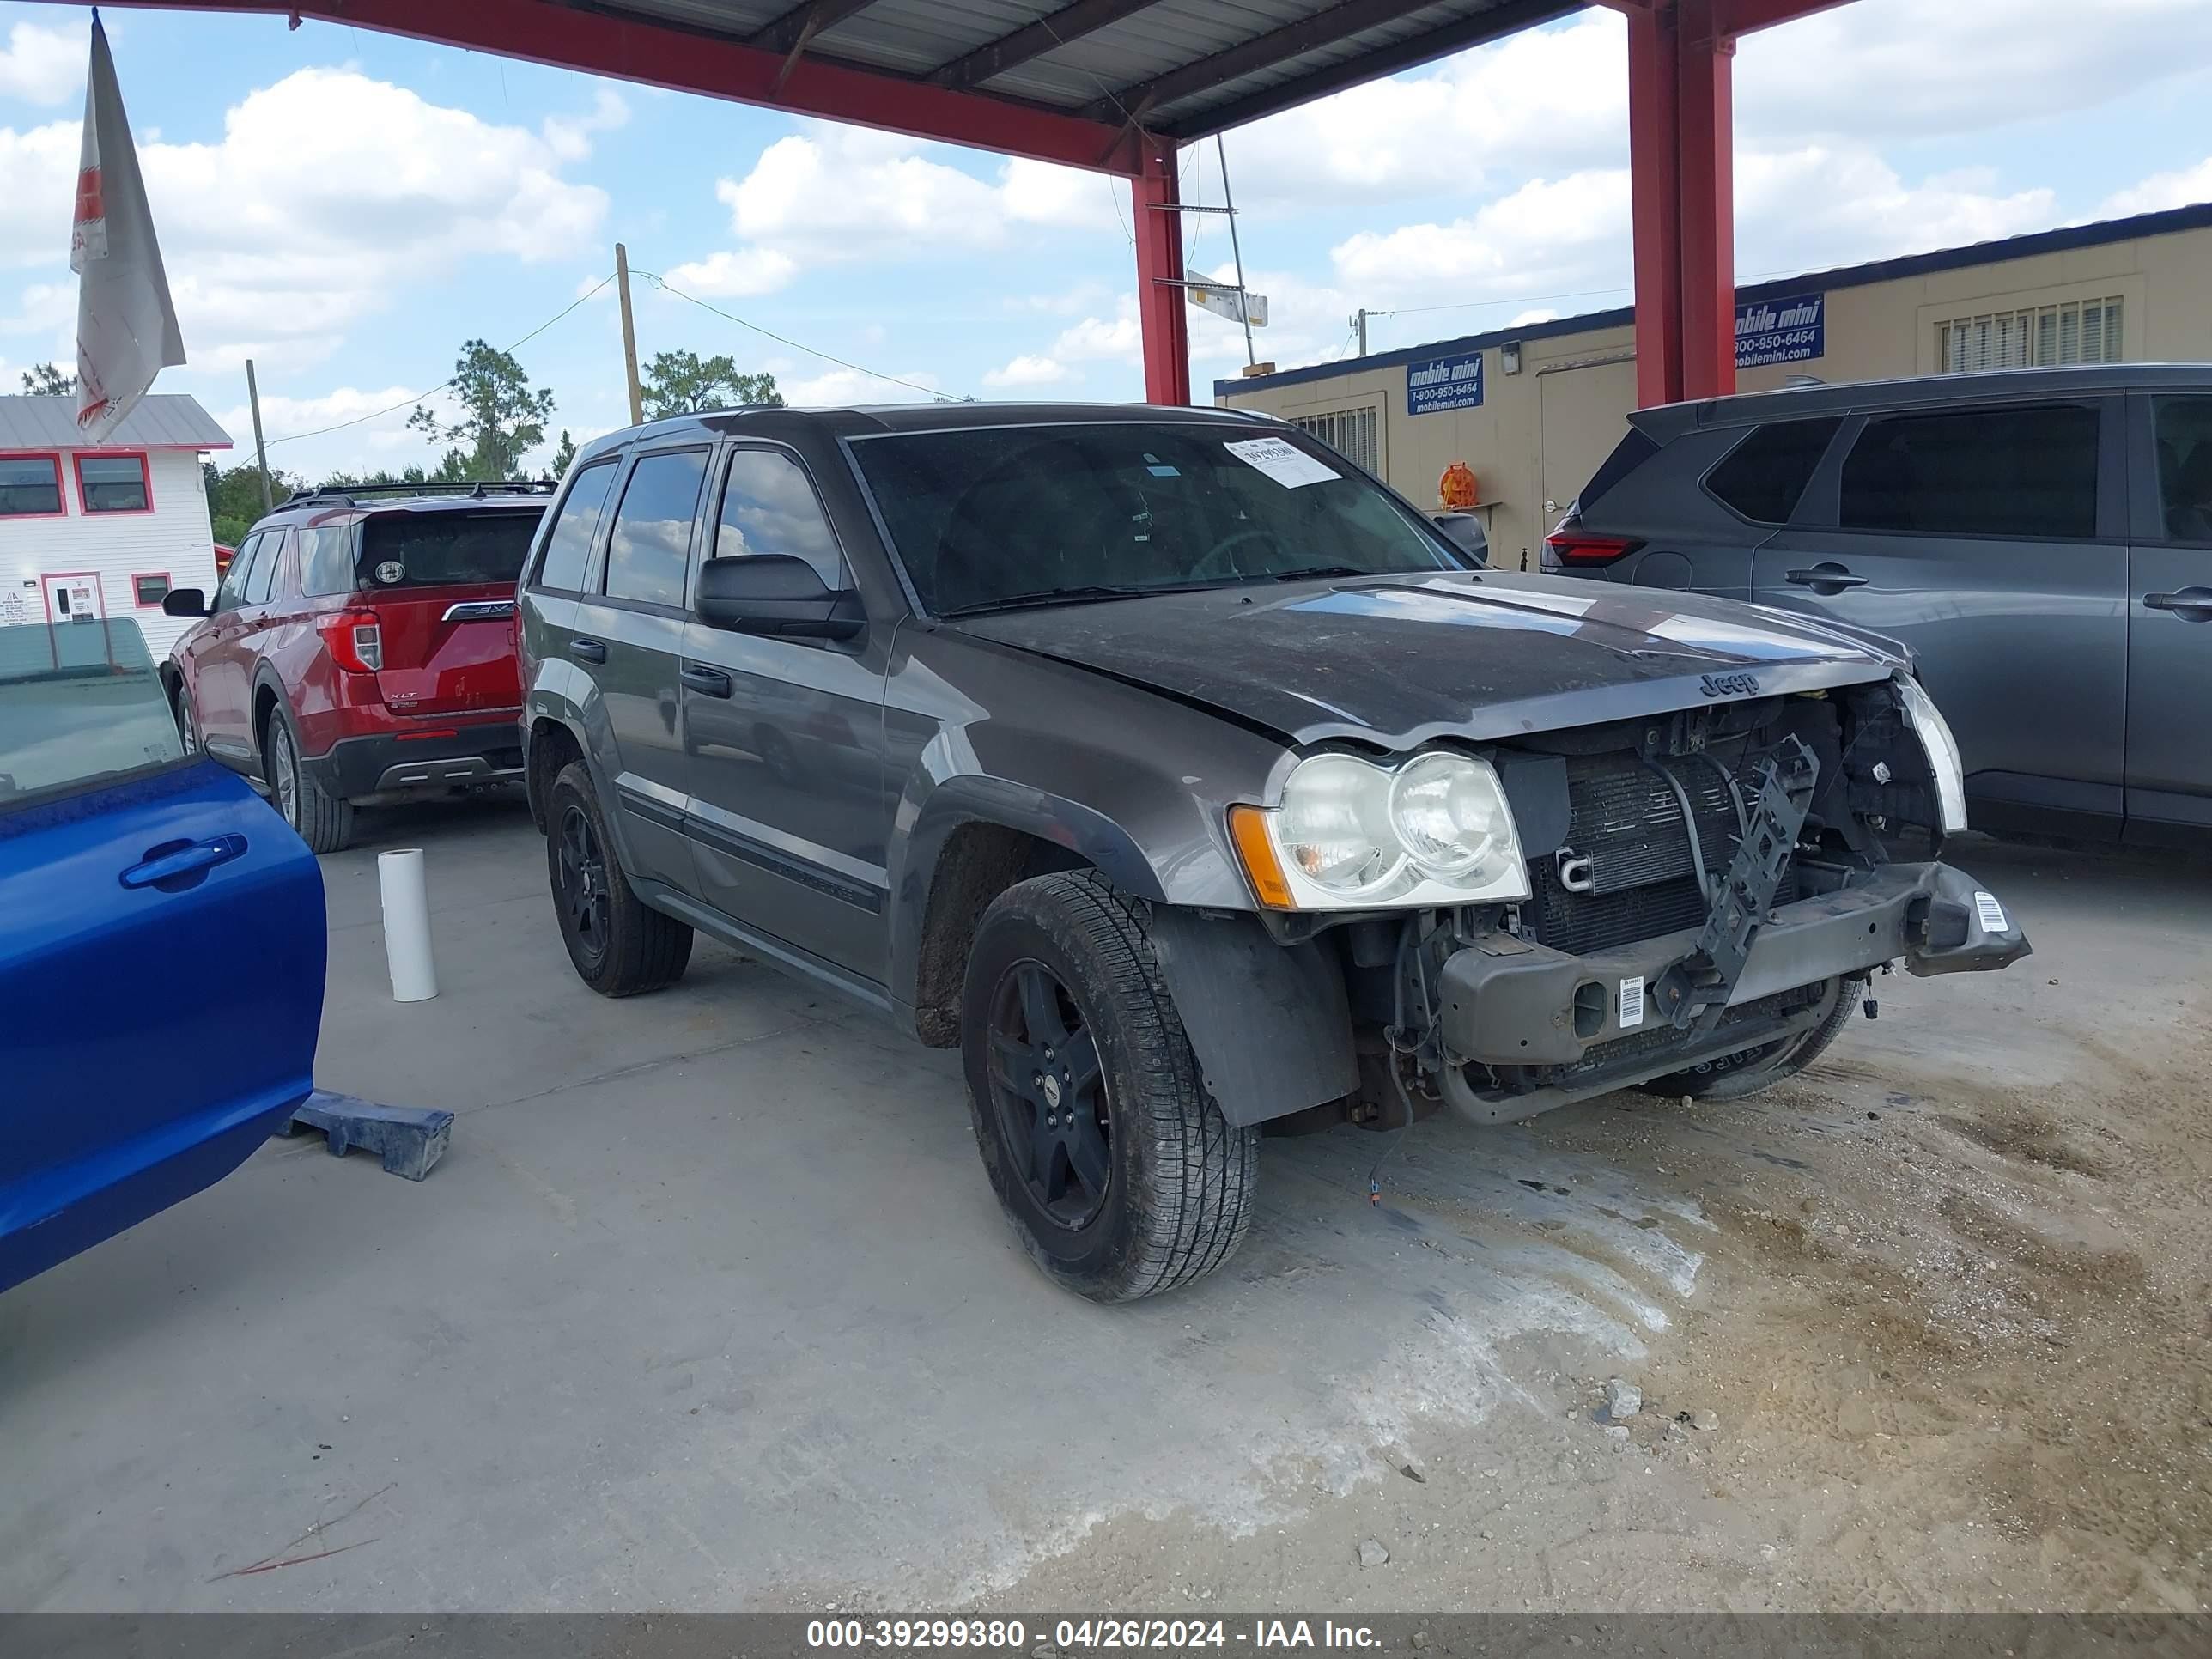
(1184, 778)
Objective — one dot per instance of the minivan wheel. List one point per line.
(1119, 1174)
(324, 820)
(620, 946)
(1733, 1077)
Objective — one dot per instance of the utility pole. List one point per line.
(1360, 322)
(260, 449)
(630, 336)
(1229, 206)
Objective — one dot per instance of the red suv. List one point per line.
(360, 647)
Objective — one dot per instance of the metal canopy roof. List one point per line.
(1183, 69)
(1070, 80)
(160, 420)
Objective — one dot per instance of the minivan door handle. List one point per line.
(588, 650)
(708, 682)
(1826, 577)
(2191, 604)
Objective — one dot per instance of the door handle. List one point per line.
(584, 650)
(710, 682)
(1827, 579)
(171, 861)
(2191, 604)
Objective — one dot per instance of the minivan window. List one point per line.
(568, 544)
(769, 506)
(1764, 476)
(2184, 426)
(2011, 470)
(652, 535)
(78, 706)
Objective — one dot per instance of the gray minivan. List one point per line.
(2041, 539)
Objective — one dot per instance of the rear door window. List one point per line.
(2012, 471)
(1764, 476)
(575, 527)
(650, 541)
(769, 506)
(444, 549)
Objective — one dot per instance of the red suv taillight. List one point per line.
(356, 640)
(1579, 550)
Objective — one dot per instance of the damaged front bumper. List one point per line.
(1547, 1028)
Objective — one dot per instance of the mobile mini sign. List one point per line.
(1781, 331)
(1443, 383)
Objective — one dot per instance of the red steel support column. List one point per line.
(1154, 195)
(1682, 195)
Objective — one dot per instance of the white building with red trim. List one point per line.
(89, 530)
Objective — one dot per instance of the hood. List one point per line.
(1401, 659)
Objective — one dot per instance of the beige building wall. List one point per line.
(1537, 435)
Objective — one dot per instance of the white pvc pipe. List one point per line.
(401, 874)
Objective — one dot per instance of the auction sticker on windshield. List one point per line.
(1287, 465)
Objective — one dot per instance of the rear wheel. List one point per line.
(188, 723)
(1733, 1077)
(324, 822)
(620, 946)
(1117, 1169)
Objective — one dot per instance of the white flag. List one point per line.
(126, 329)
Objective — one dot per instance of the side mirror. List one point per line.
(775, 593)
(184, 602)
(1464, 532)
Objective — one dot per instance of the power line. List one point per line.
(403, 402)
(663, 284)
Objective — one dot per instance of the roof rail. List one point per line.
(345, 495)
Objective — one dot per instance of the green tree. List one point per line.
(681, 383)
(563, 452)
(502, 418)
(234, 497)
(44, 381)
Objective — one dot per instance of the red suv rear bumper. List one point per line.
(438, 756)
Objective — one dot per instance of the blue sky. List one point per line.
(346, 207)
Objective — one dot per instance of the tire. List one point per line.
(1074, 1052)
(1734, 1077)
(188, 723)
(324, 820)
(620, 946)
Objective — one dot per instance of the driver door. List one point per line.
(789, 823)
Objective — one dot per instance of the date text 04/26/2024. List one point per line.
(1083, 1635)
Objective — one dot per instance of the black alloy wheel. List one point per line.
(583, 881)
(1049, 1092)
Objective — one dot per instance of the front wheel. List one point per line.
(1119, 1174)
(1733, 1077)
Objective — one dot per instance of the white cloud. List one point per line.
(2161, 191)
(840, 387)
(1549, 236)
(1029, 371)
(328, 193)
(1817, 206)
(283, 418)
(831, 195)
(570, 137)
(42, 65)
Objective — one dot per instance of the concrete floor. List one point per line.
(710, 1307)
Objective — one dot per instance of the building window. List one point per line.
(2033, 337)
(114, 483)
(149, 590)
(30, 486)
(1352, 433)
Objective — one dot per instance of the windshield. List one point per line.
(982, 517)
(79, 702)
(445, 550)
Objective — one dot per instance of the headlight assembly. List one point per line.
(1934, 735)
(1354, 836)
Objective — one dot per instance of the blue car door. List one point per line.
(161, 945)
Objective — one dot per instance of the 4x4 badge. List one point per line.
(1730, 685)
